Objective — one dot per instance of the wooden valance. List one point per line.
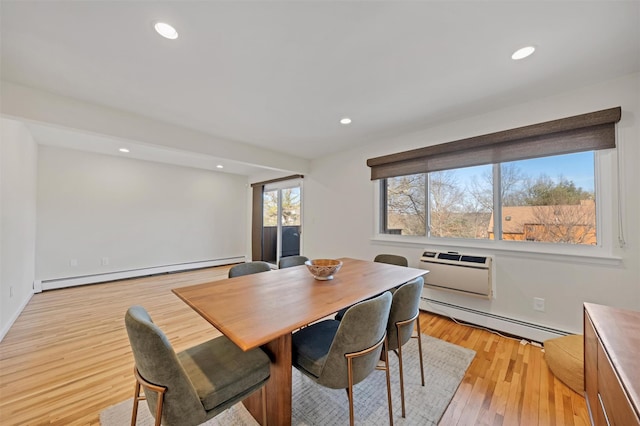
(585, 132)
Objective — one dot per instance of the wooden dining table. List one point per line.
(263, 310)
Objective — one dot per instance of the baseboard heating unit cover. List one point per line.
(528, 330)
(51, 284)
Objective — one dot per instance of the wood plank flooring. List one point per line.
(67, 358)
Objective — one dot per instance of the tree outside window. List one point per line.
(290, 207)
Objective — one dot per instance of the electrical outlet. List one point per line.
(105, 261)
(538, 304)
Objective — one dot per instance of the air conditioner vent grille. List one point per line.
(474, 259)
(449, 256)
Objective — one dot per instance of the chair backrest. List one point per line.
(289, 261)
(249, 268)
(405, 305)
(362, 326)
(158, 363)
(392, 259)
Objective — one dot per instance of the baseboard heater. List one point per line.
(528, 330)
(461, 273)
(40, 285)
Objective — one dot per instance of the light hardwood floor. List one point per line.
(67, 358)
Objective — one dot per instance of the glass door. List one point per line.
(281, 220)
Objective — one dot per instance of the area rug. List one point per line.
(444, 367)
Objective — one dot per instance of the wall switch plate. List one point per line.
(10, 291)
(538, 304)
(73, 262)
(105, 261)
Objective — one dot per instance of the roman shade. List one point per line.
(585, 132)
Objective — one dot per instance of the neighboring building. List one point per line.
(574, 224)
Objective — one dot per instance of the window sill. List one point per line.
(592, 255)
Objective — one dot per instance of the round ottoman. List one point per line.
(565, 358)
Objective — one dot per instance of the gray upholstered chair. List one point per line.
(340, 354)
(249, 268)
(391, 259)
(289, 261)
(195, 385)
(405, 310)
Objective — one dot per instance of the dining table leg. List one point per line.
(278, 388)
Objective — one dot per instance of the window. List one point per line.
(287, 201)
(281, 221)
(550, 199)
(405, 205)
(534, 183)
(459, 205)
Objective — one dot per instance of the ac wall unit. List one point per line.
(457, 272)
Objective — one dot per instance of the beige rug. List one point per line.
(445, 365)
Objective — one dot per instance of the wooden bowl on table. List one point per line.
(323, 269)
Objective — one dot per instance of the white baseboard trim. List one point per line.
(14, 317)
(527, 330)
(120, 275)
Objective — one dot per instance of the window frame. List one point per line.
(384, 225)
(257, 191)
(605, 168)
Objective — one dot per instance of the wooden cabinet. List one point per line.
(611, 366)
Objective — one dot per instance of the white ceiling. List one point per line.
(280, 75)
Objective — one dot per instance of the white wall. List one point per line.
(18, 159)
(138, 214)
(339, 214)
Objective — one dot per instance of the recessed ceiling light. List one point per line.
(220, 166)
(523, 53)
(123, 150)
(166, 30)
(345, 120)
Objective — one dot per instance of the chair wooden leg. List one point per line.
(420, 348)
(386, 362)
(350, 389)
(399, 325)
(160, 390)
(159, 408)
(401, 371)
(136, 398)
(351, 356)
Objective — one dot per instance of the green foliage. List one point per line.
(544, 191)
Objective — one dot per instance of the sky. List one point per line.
(578, 168)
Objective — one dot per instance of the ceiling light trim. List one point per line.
(165, 30)
(523, 52)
